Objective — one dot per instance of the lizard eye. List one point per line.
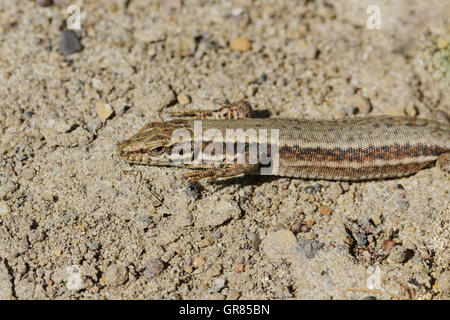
(159, 150)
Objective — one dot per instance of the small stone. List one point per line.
(443, 282)
(254, 238)
(104, 110)
(94, 125)
(182, 46)
(150, 35)
(276, 245)
(69, 43)
(404, 205)
(239, 268)
(388, 245)
(4, 208)
(216, 296)
(116, 274)
(120, 108)
(24, 245)
(6, 283)
(442, 43)
(395, 111)
(305, 229)
(214, 271)
(325, 210)
(309, 189)
(233, 295)
(218, 235)
(74, 281)
(199, 261)
(193, 190)
(153, 268)
(216, 214)
(411, 110)
(441, 116)
(183, 99)
(309, 223)
(240, 44)
(44, 3)
(204, 243)
(398, 254)
(309, 247)
(361, 239)
(360, 102)
(334, 192)
(305, 50)
(172, 4)
(188, 269)
(296, 227)
(28, 173)
(218, 284)
(94, 246)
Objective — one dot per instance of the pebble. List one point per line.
(188, 269)
(334, 191)
(183, 99)
(233, 295)
(404, 205)
(4, 208)
(193, 190)
(150, 35)
(325, 210)
(172, 4)
(309, 247)
(442, 43)
(240, 44)
(255, 240)
(74, 281)
(182, 46)
(116, 274)
(104, 110)
(318, 187)
(44, 3)
(94, 125)
(443, 282)
(120, 108)
(309, 189)
(395, 111)
(239, 268)
(398, 254)
(153, 268)
(204, 243)
(362, 103)
(305, 50)
(94, 246)
(388, 245)
(296, 227)
(276, 245)
(411, 110)
(218, 284)
(216, 214)
(69, 43)
(199, 261)
(441, 116)
(218, 235)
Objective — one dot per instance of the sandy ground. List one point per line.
(78, 223)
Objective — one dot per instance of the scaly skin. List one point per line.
(346, 149)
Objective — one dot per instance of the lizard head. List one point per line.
(154, 143)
